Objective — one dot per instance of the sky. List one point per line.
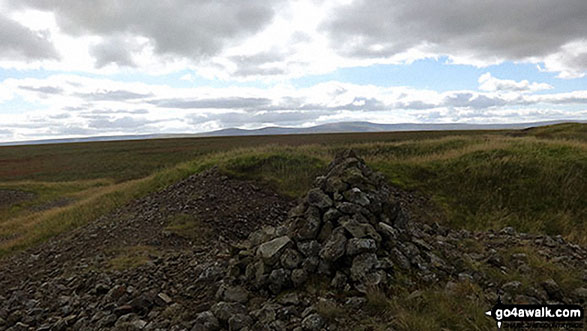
(71, 68)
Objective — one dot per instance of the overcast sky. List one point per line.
(71, 68)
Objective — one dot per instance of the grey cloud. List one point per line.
(119, 123)
(115, 95)
(114, 50)
(119, 111)
(484, 29)
(220, 103)
(60, 116)
(19, 43)
(176, 27)
(43, 89)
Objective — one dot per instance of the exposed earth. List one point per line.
(212, 252)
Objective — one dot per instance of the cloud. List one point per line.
(477, 32)
(91, 106)
(185, 28)
(114, 50)
(19, 43)
(489, 83)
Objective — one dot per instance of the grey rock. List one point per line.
(334, 247)
(279, 279)
(362, 266)
(309, 248)
(339, 281)
(298, 277)
(239, 322)
(319, 199)
(360, 245)
(271, 250)
(233, 294)
(307, 227)
(360, 230)
(224, 310)
(310, 264)
(290, 259)
(356, 196)
(332, 215)
(552, 289)
(208, 321)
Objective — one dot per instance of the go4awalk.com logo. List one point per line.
(541, 316)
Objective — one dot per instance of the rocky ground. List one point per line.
(250, 260)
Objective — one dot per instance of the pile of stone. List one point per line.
(339, 230)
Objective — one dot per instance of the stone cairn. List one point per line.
(338, 230)
(343, 229)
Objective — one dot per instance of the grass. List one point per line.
(436, 309)
(479, 179)
(131, 257)
(188, 227)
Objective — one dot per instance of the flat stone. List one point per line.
(360, 230)
(271, 250)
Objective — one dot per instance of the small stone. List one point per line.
(313, 322)
(291, 298)
(165, 298)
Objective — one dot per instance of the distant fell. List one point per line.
(339, 127)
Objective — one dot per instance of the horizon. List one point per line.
(183, 67)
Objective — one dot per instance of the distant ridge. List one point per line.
(339, 127)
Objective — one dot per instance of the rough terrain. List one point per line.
(212, 253)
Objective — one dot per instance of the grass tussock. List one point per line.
(188, 227)
(131, 257)
(437, 309)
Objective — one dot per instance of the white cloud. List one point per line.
(72, 105)
(489, 83)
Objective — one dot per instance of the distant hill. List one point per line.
(339, 127)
